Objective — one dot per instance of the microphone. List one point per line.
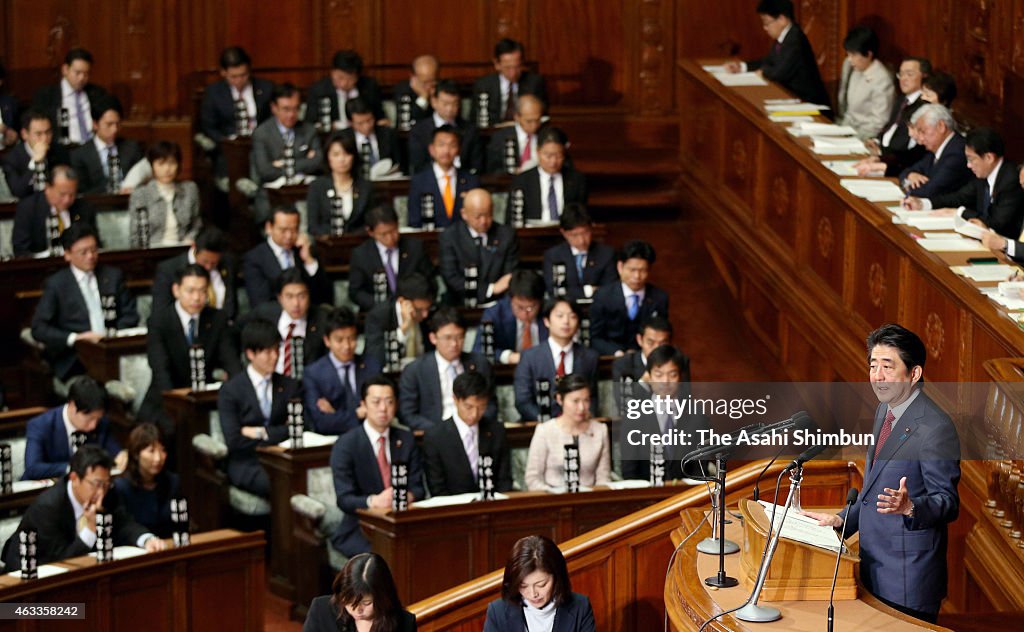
(851, 497)
(808, 454)
(800, 421)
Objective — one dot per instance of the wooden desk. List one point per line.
(190, 411)
(431, 550)
(215, 584)
(814, 267)
(690, 602)
(102, 360)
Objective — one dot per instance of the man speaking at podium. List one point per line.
(911, 476)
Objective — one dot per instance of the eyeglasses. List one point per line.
(98, 484)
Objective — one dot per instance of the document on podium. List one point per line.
(801, 528)
(736, 79)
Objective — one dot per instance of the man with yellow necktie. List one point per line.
(435, 194)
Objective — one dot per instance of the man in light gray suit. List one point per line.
(183, 223)
(910, 482)
(283, 146)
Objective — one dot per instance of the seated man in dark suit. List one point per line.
(52, 438)
(210, 250)
(944, 168)
(236, 104)
(80, 302)
(294, 317)
(361, 464)
(25, 166)
(41, 218)
(477, 241)
(284, 248)
(425, 388)
(412, 95)
(585, 265)
(502, 87)
(994, 199)
(64, 516)
(894, 148)
(403, 317)
(387, 255)
(791, 62)
(442, 186)
(445, 103)
(191, 322)
(328, 98)
(453, 448)
(521, 137)
(552, 184)
(103, 162)
(74, 95)
(516, 318)
(654, 332)
(554, 360)
(620, 307)
(253, 407)
(374, 142)
(667, 371)
(332, 384)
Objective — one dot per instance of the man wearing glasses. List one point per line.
(64, 516)
(516, 318)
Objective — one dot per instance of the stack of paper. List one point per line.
(311, 440)
(801, 528)
(838, 145)
(872, 190)
(951, 245)
(841, 167)
(923, 221)
(964, 227)
(740, 79)
(790, 108)
(130, 331)
(124, 552)
(821, 129)
(1014, 303)
(791, 118)
(985, 273)
(456, 499)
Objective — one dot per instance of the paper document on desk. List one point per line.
(1014, 303)
(801, 528)
(798, 105)
(628, 484)
(311, 440)
(985, 273)
(837, 146)
(928, 222)
(841, 167)
(740, 79)
(715, 70)
(129, 331)
(124, 552)
(964, 227)
(455, 499)
(872, 190)
(43, 571)
(952, 245)
(822, 129)
(791, 118)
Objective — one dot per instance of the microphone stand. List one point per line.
(851, 498)
(721, 580)
(751, 611)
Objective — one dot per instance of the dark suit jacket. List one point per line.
(321, 380)
(898, 155)
(313, 347)
(239, 406)
(86, 161)
(1005, 211)
(387, 144)
(380, 320)
(419, 390)
(947, 175)
(599, 269)
(268, 146)
(260, 268)
(471, 151)
(636, 460)
(323, 617)
(19, 176)
(357, 477)
(447, 465)
(529, 83)
(424, 183)
(167, 350)
(164, 279)
(369, 91)
(365, 262)
(49, 99)
(30, 235)
(574, 189)
(62, 311)
(53, 518)
(574, 616)
(794, 66)
(505, 328)
(47, 452)
(403, 89)
(537, 363)
(903, 559)
(9, 111)
(217, 112)
(495, 158)
(610, 326)
(458, 249)
(318, 205)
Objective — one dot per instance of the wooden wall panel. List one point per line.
(451, 28)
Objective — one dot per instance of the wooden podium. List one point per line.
(798, 572)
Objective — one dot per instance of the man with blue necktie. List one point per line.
(620, 307)
(103, 162)
(75, 95)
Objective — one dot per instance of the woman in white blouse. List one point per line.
(343, 188)
(866, 88)
(172, 206)
(545, 464)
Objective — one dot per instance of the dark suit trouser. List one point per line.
(250, 476)
(930, 617)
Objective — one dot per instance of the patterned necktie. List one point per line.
(369, 152)
(382, 463)
(528, 150)
(560, 371)
(634, 306)
(92, 302)
(448, 196)
(389, 270)
(83, 128)
(526, 341)
(552, 199)
(191, 335)
(579, 266)
(472, 451)
(884, 433)
(510, 104)
(287, 261)
(266, 401)
(288, 350)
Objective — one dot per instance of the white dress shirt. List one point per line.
(466, 433)
(447, 398)
(220, 290)
(249, 99)
(184, 317)
(505, 86)
(87, 283)
(942, 147)
(282, 328)
(69, 430)
(343, 97)
(383, 252)
(439, 175)
(887, 136)
(545, 184)
(68, 100)
(627, 293)
(556, 353)
(102, 149)
(374, 437)
(278, 251)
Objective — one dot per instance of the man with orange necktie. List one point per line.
(437, 192)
